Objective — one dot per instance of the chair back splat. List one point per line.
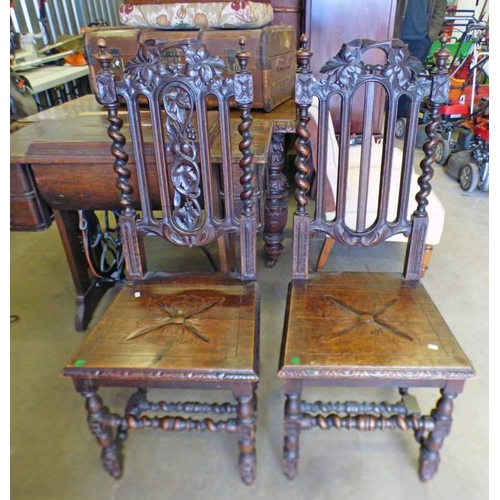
(177, 131)
(365, 329)
(178, 330)
(386, 191)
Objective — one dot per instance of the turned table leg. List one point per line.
(89, 290)
(276, 203)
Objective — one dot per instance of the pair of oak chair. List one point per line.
(193, 330)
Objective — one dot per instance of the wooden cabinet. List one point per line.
(289, 13)
(329, 23)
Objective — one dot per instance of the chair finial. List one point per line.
(304, 55)
(103, 56)
(243, 55)
(442, 54)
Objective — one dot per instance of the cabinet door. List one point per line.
(330, 23)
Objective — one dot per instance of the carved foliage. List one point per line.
(201, 71)
(201, 66)
(347, 67)
(154, 60)
(402, 68)
(185, 172)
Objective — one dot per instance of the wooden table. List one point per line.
(61, 164)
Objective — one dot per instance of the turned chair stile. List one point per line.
(366, 329)
(176, 330)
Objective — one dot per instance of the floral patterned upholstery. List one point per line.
(221, 15)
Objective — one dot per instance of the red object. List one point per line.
(481, 92)
(76, 59)
(482, 131)
(450, 111)
(448, 27)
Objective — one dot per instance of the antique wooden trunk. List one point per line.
(28, 211)
(272, 49)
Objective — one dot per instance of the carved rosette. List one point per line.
(304, 89)
(106, 92)
(174, 320)
(440, 88)
(243, 88)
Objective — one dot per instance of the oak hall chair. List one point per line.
(176, 330)
(367, 329)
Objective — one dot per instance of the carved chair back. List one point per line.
(171, 141)
(347, 75)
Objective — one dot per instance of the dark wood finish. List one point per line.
(288, 13)
(392, 335)
(363, 329)
(276, 207)
(330, 23)
(89, 288)
(28, 211)
(187, 329)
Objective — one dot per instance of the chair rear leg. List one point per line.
(431, 446)
(426, 260)
(325, 252)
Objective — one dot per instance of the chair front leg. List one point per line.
(292, 428)
(431, 446)
(246, 413)
(102, 424)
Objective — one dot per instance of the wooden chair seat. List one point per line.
(367, 325)
(202, 328)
